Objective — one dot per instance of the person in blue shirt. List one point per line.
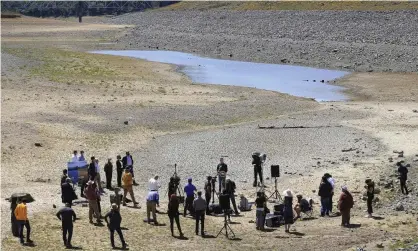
(189, 190)
(152, 203)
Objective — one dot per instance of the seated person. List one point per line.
(244, 205)
(303, 205)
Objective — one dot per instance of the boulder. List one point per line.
(399, 207)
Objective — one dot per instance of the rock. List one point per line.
(126, 122)
(400, 155)
(313, 191)
(230, 55)
(283, 60)
(379, 245)
(347, 150)
(251, 221)
(322, 81)
(416, 111)
(376, 199)
(335, 50)
(388, 184)
(54, 206)
(377, 191)
(399, 207)
(38, 144)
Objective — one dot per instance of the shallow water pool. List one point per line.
(294, 80)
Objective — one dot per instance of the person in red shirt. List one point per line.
(345, 204)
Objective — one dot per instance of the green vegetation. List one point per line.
(296, 5)
(403, 243)
(66, 66)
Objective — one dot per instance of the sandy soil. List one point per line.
(66, 100)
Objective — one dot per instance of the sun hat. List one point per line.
(288, 193)
(344, 188)
(114, 206)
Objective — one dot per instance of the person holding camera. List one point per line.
(257, 168)
(403, 176)
(221, 169)
(208, 191)
(189, 190)
(230, 190)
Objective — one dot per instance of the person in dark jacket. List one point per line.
(208, 192)
(230, 190)
(345, 204)
(68, 193)
(67, 216)
(64, 176)
(221, 168)
(257, 168)
(108, 168)
(113, 220)
(128, 163)
(370, 196)
(325, 192)
(92, 169)
(119, 170)
(260, 203)
(173, 213)
(403, 176)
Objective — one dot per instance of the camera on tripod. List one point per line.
(212, 180)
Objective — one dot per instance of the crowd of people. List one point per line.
(194, 204)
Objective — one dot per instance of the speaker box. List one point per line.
(275, 171)
(224, 201)
(278, 207)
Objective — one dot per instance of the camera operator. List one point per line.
(221, 169)
(257, 168)
(208, 191)
(230, 190)
(226, 208)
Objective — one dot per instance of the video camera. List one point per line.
(259, 158)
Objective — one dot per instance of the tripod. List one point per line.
(276, 193)
(227, 228)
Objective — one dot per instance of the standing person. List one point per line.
(92, 168)
(74, 157)
(91, 194)
(403, 176)
(119, 170)
(153, 184)
(21, 214)
(325, 191)
(81, 157)
(345, 204)
(173, 213)
(128, 163)
(370, 196)
(64, 176)
(208, 191)
(108, 168)
(257, 168)
(67, 192)
(199, 206)
(152, 203)
(221, 169)
(172, 187)
(67, 216)
(113, 220)
(230, 190)
(288, 210)
(189, 190)
(127, 187)
(98, 177)
(331, 180)
(260, 203)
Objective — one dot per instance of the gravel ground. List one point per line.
(350, 40)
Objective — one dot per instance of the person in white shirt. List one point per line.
(98, 179)
(153, 184)
(74, 157)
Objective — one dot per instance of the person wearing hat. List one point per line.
(230, 190)
(91, 193)
(288, 210)
(173, 213)
(113, 220)
(345, 204)
(67, 216)
(119, 170)
(189, 190)
(127, 187)
(67, 192)
(108, 168)
(370, 196)
(21, 214)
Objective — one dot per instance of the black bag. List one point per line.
(273, 220)
(278, 208)
(215, 208)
